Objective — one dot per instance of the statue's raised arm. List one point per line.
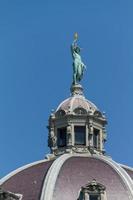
(78, 65)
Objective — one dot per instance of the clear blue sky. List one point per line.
(36, 72)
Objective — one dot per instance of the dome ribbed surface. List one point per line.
(77, 101)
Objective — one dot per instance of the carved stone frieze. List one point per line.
(69, 135)
(80, 149)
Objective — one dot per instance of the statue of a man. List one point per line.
(78, 65)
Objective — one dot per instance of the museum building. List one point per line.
(78, 167)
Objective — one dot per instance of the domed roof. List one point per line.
(62, 178)
(77, 101)
(27, 180)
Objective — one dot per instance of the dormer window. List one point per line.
(80, 135)
(61, 137)
(80, 111)
(92, 191)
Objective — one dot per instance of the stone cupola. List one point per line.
(77, 126)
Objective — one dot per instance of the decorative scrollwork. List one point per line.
(80, 149)
(80, 111)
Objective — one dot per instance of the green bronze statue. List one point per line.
(78, 65)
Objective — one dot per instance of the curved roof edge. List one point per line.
(53, 172)
(51, 177)
(8, 176)
(62, 103)
(122, 173)
(72, 99)
(127, 167)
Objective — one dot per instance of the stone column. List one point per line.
(87, 136)
(103, 196)
(73, 136)
(90, 134)
(69, 135)
(100, 142)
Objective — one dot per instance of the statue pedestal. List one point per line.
(76, 89)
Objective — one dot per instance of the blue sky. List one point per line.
(36, 72)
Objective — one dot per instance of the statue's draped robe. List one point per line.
(78, 65)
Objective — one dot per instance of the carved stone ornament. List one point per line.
(91, 189)
(52, 138)
(69, 135)
(76, 89)
(80, 111)
(91, 128)
(80, 149)
(6, 195)
(69, 129)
